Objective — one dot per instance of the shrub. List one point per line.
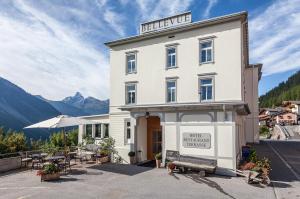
(131, 154)
(252, 157)
(107, 146)
(48, 169)
(158, 156)
(264, 131)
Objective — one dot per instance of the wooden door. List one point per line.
(154, 137)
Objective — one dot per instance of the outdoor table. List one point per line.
(44, 154)
(36, 155)
(55, 158)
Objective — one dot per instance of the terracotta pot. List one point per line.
(49, 177)
(158, 162)
(104, 159)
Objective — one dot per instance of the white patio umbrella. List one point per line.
(61, 121)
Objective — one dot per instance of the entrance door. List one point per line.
(154, 137)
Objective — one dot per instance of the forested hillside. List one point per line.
(289, 90)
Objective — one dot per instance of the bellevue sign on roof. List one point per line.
(165, 23)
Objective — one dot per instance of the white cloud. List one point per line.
(152, 9)
(211, 4)
(274, 37)
(115, 21)
(46, 57)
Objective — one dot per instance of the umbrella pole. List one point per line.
(65, 144)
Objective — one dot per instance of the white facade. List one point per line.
(98, 130)
(139, 91)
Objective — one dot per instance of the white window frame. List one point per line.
(212, 85)
(126, 93)
(126, 128)
(206, 49)
(167, 90)
(131, 61)
(173, 54)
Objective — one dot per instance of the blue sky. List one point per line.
(55, 48)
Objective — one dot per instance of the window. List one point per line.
(98, 130)
(131, 63)
(89, 130)
(130, 93)
(127, 131)
(206, 51)
(171, 57)
(106, 130)
(171, 90)
(206, 89)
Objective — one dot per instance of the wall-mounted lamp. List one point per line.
(147, 115)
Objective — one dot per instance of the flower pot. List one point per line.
(132, 160)
(104, 159)
(158, 162)
(50, 177)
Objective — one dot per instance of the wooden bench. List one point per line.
(184, 162)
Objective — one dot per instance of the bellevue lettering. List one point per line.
(166, 23)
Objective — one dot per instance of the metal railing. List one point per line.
(27, 153)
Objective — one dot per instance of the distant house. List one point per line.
(293, 106)
(279, 115)
(287, 118)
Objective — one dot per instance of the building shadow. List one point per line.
(125, 169)
(197, 178)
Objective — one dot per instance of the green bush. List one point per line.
(12, 141)
(158, 156)
(107, 146)
(131, 154)
(264, 131)
(253, 156)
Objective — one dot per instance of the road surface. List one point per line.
(285, 164)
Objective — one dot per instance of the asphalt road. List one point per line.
(285, 164)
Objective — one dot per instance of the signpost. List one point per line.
(196, 140)
(165, 23)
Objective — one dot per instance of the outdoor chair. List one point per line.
(63, 165)
(37, 162)
(24, 159)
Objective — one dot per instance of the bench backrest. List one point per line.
(197, 160)
(172, 155)
(175, 156)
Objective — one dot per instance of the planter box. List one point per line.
(7, 164)
(50, 177)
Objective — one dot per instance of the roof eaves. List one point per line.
(203, 23)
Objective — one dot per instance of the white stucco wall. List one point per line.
(151, 73)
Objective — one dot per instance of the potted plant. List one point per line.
(104, 156)
(131, 155)
(158, 158)
(49, 172)
(171, 166)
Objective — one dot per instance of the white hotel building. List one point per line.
(180, 79)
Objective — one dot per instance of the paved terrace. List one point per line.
(128, 181)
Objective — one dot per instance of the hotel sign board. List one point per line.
(165, 23)
(196, 140)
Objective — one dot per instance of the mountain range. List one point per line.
(285, 91)
(19, 108)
